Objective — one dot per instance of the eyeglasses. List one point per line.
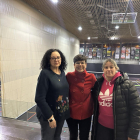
(57, 58)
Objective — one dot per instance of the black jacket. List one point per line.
(126, 108)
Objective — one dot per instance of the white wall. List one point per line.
(25, 35)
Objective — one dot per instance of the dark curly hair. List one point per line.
(45, 62)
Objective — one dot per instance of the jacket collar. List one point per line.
(81, 74)
(120, 79)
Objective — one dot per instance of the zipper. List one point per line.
(114, 112)
(99, 88)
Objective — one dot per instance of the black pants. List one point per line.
(84, 128)
(104, 133)
(48, 133)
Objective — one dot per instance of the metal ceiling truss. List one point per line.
(95, 17)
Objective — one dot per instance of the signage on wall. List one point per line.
(99, 53)
(90, 53)
(113, 52)
(137, 50)
(127, 52)
(133, 52)
(86, 51)
(123, 52)
(117, 53)
(81, 51)
(94, 52)
(109, 52)
(104, 52)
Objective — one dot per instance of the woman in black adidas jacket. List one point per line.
(125, 108)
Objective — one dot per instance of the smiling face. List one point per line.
(80, 66)
(55, 60)
(109, 70)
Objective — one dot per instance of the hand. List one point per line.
(130, 139)
(52, 124)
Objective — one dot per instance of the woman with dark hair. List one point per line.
(81, 103)
(52, 95)
(116, 105)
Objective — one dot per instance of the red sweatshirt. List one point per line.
(105, 102)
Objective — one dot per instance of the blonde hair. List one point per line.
(112, 61)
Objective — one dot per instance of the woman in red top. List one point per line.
(80, 101)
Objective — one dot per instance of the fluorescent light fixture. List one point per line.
(112, 38)
(138, 37)
(88, 38)
(80, 28)
(55, 1)
(117, 27)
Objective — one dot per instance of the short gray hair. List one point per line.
(112, 61)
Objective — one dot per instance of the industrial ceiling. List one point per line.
(95, 18)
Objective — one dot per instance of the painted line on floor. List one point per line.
(31, 112)
(31, 117)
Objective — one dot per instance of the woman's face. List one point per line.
(55, 60)
(109, 70)
(80, 66)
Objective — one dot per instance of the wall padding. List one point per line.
(25, 35)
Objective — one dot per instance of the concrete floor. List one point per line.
(11, 129)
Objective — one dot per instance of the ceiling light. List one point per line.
(112, 38)
(138, 37)
(88, 38)
(55, 1)
(117, 27)
(80, 28)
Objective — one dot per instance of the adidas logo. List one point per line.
(106, 95)
(106, 99)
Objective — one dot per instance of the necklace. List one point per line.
(58, 77)
(57, 74)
